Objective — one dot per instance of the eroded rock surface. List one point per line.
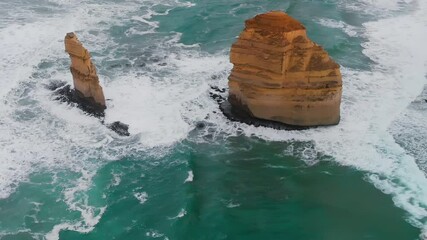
(87, 94)
(280, 75)
(85, 79)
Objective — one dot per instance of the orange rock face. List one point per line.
(85, 79)
(279, 74)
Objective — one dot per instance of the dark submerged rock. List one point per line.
(217, 89)
(120, 128)
(63, 92)
(200, 125)
(216, 94)
(241, 115)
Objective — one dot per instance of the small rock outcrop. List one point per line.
(280, 75)
(86, 81)
(87, 94)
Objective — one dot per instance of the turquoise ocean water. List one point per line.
(186, 172)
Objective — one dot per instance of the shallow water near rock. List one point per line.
(186, 171)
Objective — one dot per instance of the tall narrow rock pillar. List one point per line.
(86, 81)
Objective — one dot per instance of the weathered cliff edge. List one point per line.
(280, 75)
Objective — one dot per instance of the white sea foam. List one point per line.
(155, 234)
(181, 214)
(154, 116)
(351, 31)
(377, 7)
(147, 17)
(116, 179)
(385, 4)
(190, 177)
(35, 211)
(77, 200)
(141, 196)
(410, 130)
(233, 205)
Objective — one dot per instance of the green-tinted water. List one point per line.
(170, 179)
(243, 188)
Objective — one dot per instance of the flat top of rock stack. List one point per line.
(74, 47)
(275, 20)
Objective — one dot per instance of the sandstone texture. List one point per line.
(279, 74)
(86, 81)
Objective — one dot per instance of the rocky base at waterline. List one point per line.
(238, 115)
(63, 92)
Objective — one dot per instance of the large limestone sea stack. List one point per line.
(279, 74)
(86, 81)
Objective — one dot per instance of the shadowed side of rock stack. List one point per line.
(280, 75)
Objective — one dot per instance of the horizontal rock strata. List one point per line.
(279, 74)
